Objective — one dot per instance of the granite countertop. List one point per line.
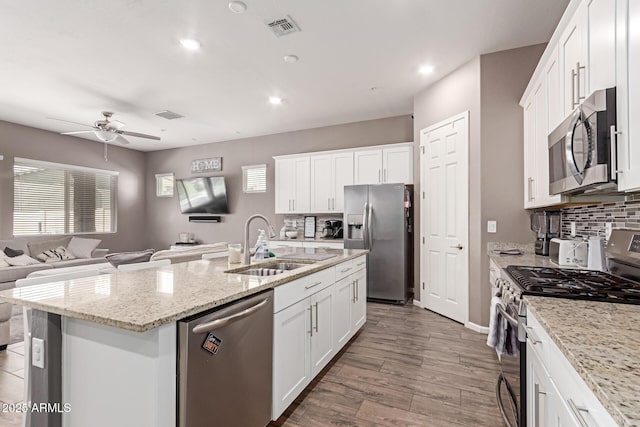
(307, 239)
(145, 299)
(528, 257)
(601, 340)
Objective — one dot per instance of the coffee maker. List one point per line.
(546, 225)
(332, 229)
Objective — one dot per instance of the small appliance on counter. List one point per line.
(332, 229)
(546, 225)
(568, 252)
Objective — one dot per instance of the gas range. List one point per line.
(575, 284)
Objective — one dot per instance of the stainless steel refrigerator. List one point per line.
(380, 218)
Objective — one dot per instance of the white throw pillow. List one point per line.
(3, 262)
(81, 247)
(54, 255)
(21, 261)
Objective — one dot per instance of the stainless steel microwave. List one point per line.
(582, 149)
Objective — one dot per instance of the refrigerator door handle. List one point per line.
(369, 227)
(364, 225)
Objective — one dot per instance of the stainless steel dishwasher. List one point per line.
(225, 365)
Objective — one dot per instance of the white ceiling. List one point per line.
(73, 59)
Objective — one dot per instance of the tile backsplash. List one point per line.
(590, 219)
(320, 219)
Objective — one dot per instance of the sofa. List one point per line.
(32, 248)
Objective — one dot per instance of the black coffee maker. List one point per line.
(332, 229)
(546, 225)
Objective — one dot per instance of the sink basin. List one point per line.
(268, 269)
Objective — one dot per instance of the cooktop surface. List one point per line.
(577, 284)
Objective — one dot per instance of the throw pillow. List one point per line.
(129, 257)
(54, 255)
(81, 247)
(36, 247)
(21, 260)
(3, 262)
(13, 252)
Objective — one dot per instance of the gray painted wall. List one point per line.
(163, 214)
(489, 87)
(31, 143)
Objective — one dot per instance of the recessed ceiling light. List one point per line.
(291, 59)
(426, 69)
(275, 100)
(190, 44)
(237, 7)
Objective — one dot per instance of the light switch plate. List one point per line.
(573, 229)
(37, 352)
(492, 226)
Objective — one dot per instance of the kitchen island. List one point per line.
(119, 336)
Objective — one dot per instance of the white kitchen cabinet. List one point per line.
(573, 60)
(392, 164)
(539, 391)
(554, 98)
(601, 44)
(359, 307)
(628, 95)
(322, 343)
(292, 185)
(329, 174)
(529, 151)
(350, 296)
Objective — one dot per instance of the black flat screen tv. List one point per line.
(202, 195)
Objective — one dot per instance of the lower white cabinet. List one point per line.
(314, 318)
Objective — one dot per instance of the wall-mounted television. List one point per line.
(203, 195)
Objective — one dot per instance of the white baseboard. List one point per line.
(417, 302)
(477, 328)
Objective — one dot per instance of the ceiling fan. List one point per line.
(107, 130)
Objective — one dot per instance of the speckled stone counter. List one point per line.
(602, 342)
(527, 258)
(145, 299)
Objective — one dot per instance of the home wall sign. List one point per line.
(213, 164)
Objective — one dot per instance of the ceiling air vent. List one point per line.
(169, 115)
(283, 26)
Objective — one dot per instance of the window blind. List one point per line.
(254, 178)
(51, 198)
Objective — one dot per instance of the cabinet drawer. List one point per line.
(345, 269)
(494, 273)
(292, 292)
(359, 263)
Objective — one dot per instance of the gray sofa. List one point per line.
(9, 275)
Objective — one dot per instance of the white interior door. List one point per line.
(444, 178)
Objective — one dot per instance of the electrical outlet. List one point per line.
(573, 229)
(37, 352)
(492, 226)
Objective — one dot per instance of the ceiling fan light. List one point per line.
(105, 135)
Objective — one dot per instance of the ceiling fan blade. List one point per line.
(139, 135)
(122, 140)
(78, 132)
(69, 121)
(115, 124)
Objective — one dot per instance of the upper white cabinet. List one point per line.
(628, 94)
(385, 165)
(329, 174)
(292, 185)
(573, 61)
(601, 43)
(314, 182)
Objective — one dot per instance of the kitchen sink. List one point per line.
(268, 269)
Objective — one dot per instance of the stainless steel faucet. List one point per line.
(270, 231)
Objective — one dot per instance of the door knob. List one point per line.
(458, 246)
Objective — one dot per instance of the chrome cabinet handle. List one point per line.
(333, 204)
(533, 189)
(458, 246)
(312, 286)
(573, 89)
(529, 192)
(534, 337)
(385, 175)
(289, 205)
(218, 323)
(293, 203)
(345, 270)
(538, 392)
(328, 203)
(379, 176)
(578, 68)
(353, 291)
(577, 411)
(311, 320)
(614, 152)
(357, 290)
(361, 263)
(316, 317)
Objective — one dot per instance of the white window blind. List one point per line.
(164, 184)
(254, 178)
(51, 198)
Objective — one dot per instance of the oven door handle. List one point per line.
(510, 318)
(568, 146)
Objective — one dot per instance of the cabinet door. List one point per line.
(559, 413)
(284, 185)
(342, 174)
(291, 362)
(322, 342)
(367, 166)
(397, 165)
(359, 307)
(321, 183)
(601, 18)
(554, 91)
(573, 61)
(538, 391)
(344, 296)
(302, 184)
(541, 180)
(529, 151)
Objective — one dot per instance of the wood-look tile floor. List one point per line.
(407, 367)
